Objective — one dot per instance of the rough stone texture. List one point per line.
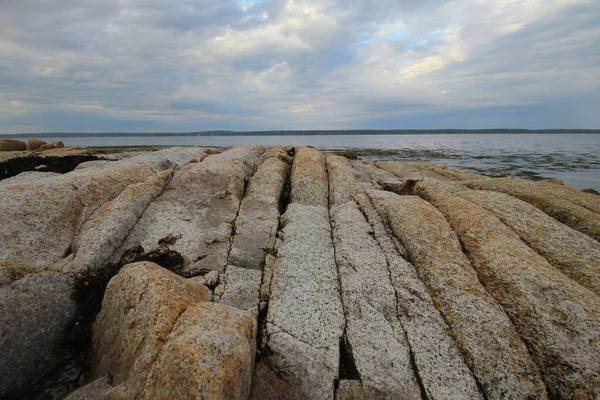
(549, 199)
(34, 313)
(450, 174)
(209, 354)
(92, 391)
(157, 160)
(558, 318)
(408, 171)
(443, 373)
(375, 336)
(199, 206)
(106, 229)
(356, 390)
(10, 272)
(439, 363)
(140, 307)
(28, 177)
(242, 288)
(572, 252)
(305, 319)
(489, 342)
(309, 178)
(40, 219)
(34, 143)
(258, 217)
(12, 145)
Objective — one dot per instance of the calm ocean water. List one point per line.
(572, 158)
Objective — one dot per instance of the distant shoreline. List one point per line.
(309, 132)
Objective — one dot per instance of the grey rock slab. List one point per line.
(35, 312)
(486, 337)
(374, 333)
(355, 390)
(558, 318)
(104, 232)
(438, 361)
(258, 217)
(572, 252)
(40, 219)
(305, 320)
(376, 338)
(242, 288)
(366, 251)
(199, 206)
(309, 178)
(547, 197)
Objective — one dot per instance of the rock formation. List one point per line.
(287, 273)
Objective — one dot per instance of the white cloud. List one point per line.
(297, 63)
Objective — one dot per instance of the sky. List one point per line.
(185, 65)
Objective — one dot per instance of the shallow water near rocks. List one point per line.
(572, 158)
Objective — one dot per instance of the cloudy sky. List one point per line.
(191, 65)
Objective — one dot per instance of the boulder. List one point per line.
(158, 339)
(51, 146)
(12, 145)
(208, 354)
(34, 143)
(141, 305)
(36, 310)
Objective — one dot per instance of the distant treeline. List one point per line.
(313, 132)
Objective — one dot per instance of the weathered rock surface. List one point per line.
(575, 254)
(305, 319)
(488, 340)
(379, 348)
(355, 292)
(35, 312)
(258, 217)
(34, 143)
(12, 145)
(106, 229)
(198, 208)
(41, 218)
(567, 209)
(208, 354)
(141, 305)
(558, 318)
(408, 171)
(373, 267)
(10, 272)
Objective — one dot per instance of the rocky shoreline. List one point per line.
(289, 273)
